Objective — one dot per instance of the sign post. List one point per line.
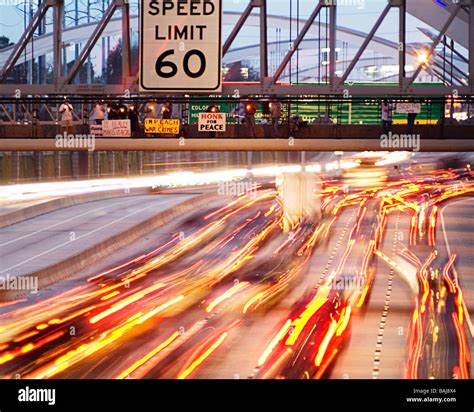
(180, 46)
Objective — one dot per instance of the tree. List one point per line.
(18, 74)
(5, 42)
(113, 68)
(235, 73)
(82, 73)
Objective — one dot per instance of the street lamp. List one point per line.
(423, 57)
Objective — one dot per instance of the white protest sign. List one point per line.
(212, 122)
(116, 128)
(409, 108)
(96, 130)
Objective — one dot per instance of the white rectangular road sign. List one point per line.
(180, 46)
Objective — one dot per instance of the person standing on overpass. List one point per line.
(133, 115)
(167, 110)
(112, 111)
(275, 113)
(150, 110)
(411, 120)
(250, 110)
(66, 115)
(99, 112)
(150, 113)
(386, 116)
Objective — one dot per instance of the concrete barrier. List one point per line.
(68, 267)
(271, 145)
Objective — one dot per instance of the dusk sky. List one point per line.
(349, 15)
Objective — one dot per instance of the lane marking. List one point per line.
(82, 236)
(336, 248)
(388, 296)
(59, 223)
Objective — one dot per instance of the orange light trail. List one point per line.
(25, 336)
(160, 308)
(8, 356)
(324, 344)
(126, 302)
(251, 301)
(203, 357)
(149, 355)
(343, 321)
(110, 295)
(446, 269)
(277, 338)
(72, 316)
(463, 350)
(226, 295)
(301, 322)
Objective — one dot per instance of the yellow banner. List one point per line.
(162, 126)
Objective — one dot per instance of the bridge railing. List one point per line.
(304, 116)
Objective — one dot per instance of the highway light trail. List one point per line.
(176, 309)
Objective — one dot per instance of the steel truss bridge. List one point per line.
(445, 23)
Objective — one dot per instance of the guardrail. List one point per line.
(446, 131)
(317, 110)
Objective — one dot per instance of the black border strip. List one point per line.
(379, 395)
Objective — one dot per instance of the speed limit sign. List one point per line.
(180, 46)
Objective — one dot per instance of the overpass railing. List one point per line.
(303, 116)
